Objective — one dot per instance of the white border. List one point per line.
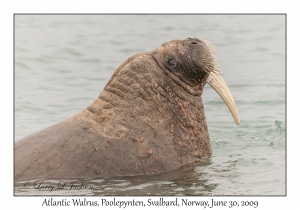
(8, 8)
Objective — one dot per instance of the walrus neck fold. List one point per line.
(131, 83)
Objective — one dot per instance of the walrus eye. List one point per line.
(172, 63)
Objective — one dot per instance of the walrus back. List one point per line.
(72, 150)
(68, 150)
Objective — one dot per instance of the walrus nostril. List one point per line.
(194, 43)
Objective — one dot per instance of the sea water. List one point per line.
(62, 63)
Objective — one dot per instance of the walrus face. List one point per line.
(191, 63)
(190, 60)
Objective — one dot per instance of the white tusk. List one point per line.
(218, 84)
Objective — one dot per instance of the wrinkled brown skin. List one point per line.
(144, 122)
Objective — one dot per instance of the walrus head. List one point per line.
(191, 63)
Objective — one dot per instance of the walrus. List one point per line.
(148, 119)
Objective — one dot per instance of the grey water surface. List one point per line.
(62, 63)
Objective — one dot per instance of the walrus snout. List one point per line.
(209, 64)
(215, 80)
